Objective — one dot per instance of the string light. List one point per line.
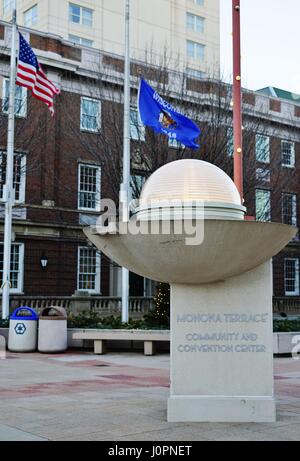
(161, 312)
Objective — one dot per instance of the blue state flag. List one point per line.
(162, 117)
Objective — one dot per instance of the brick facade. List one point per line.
(54, 147)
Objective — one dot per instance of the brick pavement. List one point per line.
(119, 397)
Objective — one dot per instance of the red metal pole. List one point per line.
(237, 98)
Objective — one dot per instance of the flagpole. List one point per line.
(237, 98)
(8, 188)
(125, 191)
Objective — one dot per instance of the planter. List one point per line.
(282, 342)
(4, 333)
(88, 344)
(125, 338)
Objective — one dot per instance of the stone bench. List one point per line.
(100, 337)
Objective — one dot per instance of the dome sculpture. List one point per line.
(188, 191)
(188, 230)
(192, 185)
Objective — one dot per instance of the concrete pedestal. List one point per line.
(221, 350)
(221, 331)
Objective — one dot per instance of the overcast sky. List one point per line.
(270, 43)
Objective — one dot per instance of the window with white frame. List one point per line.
(195, 22)
(137, 129)
(230, 142)
(137, 182)
(7, 6)
(289, 209)
(90, 114)
(89, 269)
(195, 50)
(80, 15)
(80, 40)
(19, 176)
(16, 267)
(263, 174)
(89, 187)
(20, 99)
(31, 16)
(194, 73)
(262, 148)
(288, 153)
(291, 276)
(263, 205)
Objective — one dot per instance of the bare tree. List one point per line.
(209, 103)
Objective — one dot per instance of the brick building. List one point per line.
(64, 165)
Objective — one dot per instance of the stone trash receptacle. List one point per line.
(52, 337)
(23, 326)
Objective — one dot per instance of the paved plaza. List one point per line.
(119, 397)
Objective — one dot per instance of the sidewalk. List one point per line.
(80, 396)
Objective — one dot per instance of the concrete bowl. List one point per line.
(229, 248)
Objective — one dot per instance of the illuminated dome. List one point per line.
(194, 183)
(190, 180)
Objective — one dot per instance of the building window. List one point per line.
(137, 129)
(19, 176)
(7, 6)
(90, 115)
(194, 23)
(20, 99)
(16, 267)
(137, 182)
(80, 40)
(230, 142)
(194, 73)
(288, 153)
(89, 179)
(89, 262)
(263, 205)
(263, 174)
(80, 15)
(31, 16)
(289, 209)
(291, 276)
(195, 50)
(262, 148)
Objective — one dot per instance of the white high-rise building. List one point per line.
(186, 32)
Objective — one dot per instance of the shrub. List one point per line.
(92, 320)
(286, 325)
(157, 319)
(4, 323)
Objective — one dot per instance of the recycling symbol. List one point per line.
(20, 328)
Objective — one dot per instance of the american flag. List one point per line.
(31, 75)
